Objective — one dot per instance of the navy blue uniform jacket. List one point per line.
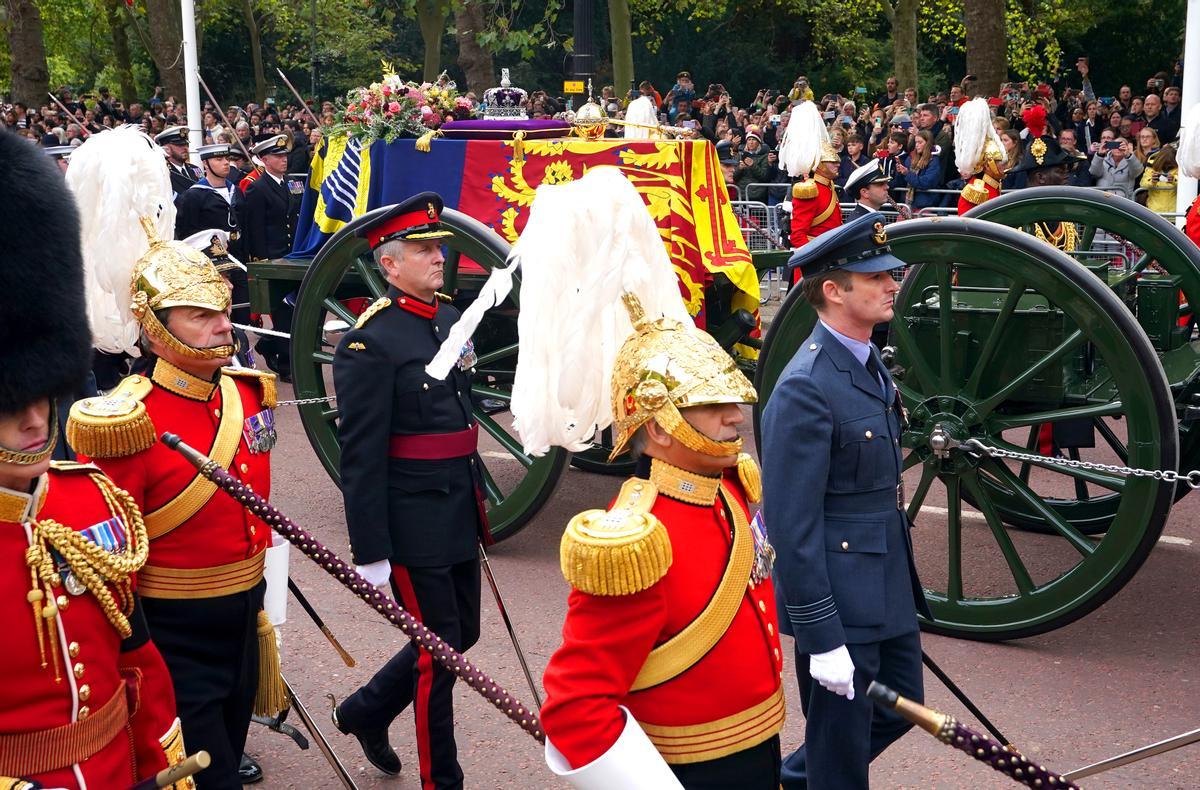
(844, 572)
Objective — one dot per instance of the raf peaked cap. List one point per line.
(217, 149)
(174, 135)
(416, 219)
(870, 173)
(275, 144)
(860, 245)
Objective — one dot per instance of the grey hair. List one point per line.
(637, 442)
(393, 248)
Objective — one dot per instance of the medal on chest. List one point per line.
(108, 535)
(259, 431)
(467, 357)
(764, 552)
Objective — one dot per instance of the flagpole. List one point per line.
(191, 68)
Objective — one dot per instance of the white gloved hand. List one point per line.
(834, 670)
(377, 573)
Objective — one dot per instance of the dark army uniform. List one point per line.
(411, 485)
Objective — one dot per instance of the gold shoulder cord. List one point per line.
(94, 566)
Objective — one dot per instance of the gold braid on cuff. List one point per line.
(154, 327)
(21, 458)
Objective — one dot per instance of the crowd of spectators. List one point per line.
(1122, 142)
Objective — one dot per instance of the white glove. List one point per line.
(377, 573)
(834, 670)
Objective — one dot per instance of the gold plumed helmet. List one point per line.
(175, 274)
(666, 366)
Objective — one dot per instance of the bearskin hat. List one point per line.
(45, 343)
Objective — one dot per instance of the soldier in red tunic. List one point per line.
(669, 670)
(979, 154)
(86, 700)
(807, 153)
(203, 580)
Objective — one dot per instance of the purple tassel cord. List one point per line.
(427, 640)
(983, 748)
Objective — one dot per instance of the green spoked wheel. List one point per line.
(1044, 340)
(1154, 261)
(516, 485)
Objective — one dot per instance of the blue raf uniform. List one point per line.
(844, 574)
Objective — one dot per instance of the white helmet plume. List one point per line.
(800, 150)
(117, 177)
(973, 131)
(1189, 144)
(642, 112)
(586, 243)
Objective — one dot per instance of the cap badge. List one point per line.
(431, 211)
(880, 234)
(1038, 149)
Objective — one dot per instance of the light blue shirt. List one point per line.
(860, 350)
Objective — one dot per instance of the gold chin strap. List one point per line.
(21, 458)
(155, 328)
(669, 418)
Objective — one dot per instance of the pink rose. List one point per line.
(426, 112)
(387, 90)
(394, 107)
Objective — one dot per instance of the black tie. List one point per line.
(876, 368)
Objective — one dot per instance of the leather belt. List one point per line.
(434, 446)
(41, 751)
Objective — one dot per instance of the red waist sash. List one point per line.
(434, 446)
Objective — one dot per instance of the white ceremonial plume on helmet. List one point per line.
(973, 131)
(586, 243)
(1189, 144)
(800, 150)
(642, 112)
(118, 176)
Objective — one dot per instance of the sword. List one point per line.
(964, 699)
(319, 737)
(1170, 744)
(512, 634)
(316, 618)
(169, 776)
(70, 118)
(217, 109)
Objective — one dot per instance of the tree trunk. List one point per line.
(904, 44)
(622, 45)
(166, 35)
(987, 46)
(431, 18)
(27, 51)
(122, 60)
(260, 75)
(475, 61)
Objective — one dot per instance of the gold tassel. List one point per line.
(113, 425)
(975, 192)
(425, 141)
(271, 695)
(750, 476)
(519, 147)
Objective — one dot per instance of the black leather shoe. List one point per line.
(375, 746)
(249, 771)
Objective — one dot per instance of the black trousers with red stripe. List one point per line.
(446, 599)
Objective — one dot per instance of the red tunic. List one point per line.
(813, 216)
(1191, 221)
(91, 666)
(979, 181)
(606, 640)
(220, 531)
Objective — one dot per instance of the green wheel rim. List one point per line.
(1160, 242)
(1026, 594)
(344, 269)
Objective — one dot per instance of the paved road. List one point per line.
(1122, 677)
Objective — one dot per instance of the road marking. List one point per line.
(498, 455)
(974, 515)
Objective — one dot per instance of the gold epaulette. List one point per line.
(975, 192)
(376, 306)
(13, 783)
(619, 551)
(447, 298)
(750, 477)
(270, 395)
(113, 425)
(804, 190)
(70, 467)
